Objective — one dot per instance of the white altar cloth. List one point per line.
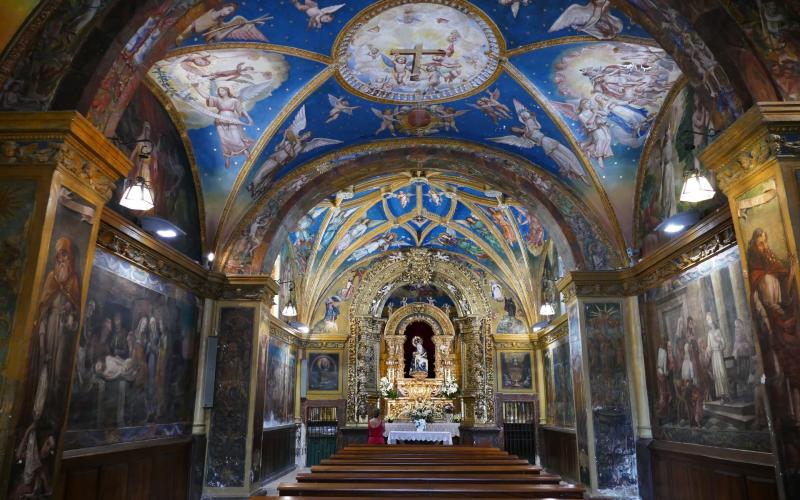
(428, 436)
(452, 428)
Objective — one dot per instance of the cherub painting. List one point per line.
(514, 4)
(400, 67)
(295, 141)
(317, 16)
(531, 136)
(339, 105)
(492, 107)
(388, 119)
(213, 27)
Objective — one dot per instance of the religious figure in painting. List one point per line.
(491, 106)
(228, 120)
(716, 348)
(339, 105)
(419, 362)
(772, 282)
(317, 15)
(531, 136)
(214, 28)
(514, 4)
(593, 19)
(144, 157)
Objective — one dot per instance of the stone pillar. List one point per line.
(478, 410)
(757, 165)
(241, 319)
(56, 174)
(600, 356)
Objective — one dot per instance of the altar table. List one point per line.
(427, 436)
(452, 428)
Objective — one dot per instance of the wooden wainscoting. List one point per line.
(158, 470)
(278, 446)
(690, 472)
(558, 451)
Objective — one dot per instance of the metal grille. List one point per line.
(519, 429)
(322, 429)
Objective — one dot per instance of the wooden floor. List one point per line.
(425, 471)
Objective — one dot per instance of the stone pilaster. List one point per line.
(757, 165)
(56, 174)
(241, 324)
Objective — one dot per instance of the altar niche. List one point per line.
(419, 351)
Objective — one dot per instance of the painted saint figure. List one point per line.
(230, 128)
(716, 348)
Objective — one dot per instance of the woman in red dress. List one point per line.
(376, 428)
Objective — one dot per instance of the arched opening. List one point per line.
(423, 331)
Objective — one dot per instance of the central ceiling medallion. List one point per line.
(403, 51)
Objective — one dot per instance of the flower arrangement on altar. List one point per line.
(458, 419)
(387, 388)
(421, 413)
(449, 387)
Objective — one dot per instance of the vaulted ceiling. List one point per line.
(262, 89)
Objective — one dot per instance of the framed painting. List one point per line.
(515, 371)
(324, 372)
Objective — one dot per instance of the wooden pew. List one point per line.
(414, 469)
(401, 462)
(421, 489)
(433, 477)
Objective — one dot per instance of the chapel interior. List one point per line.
(553, 244)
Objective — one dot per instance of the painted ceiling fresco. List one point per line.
(264, 88)
(441, 212)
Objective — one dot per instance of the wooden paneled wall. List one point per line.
(157, 471)
(278, 448)
(693, 472)
(558, 451)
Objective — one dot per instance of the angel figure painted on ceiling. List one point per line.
(339, 105)
(228, 121)
(213, 27)
(500, 218)
(531, 136)
(317, 16)
(593, 19)
(295, 141)
(491, 106)
(400, 67)
(592, 114)
(401, 196)
(514, 4)
(354, 233)
(448, 116)
(388, 118)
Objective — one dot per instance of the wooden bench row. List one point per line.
(425, 471)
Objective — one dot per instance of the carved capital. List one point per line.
(764, 134)
(557, 330)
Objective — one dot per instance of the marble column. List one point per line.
(757, 165)
(604, 414)
(241, 324)
(56, 174)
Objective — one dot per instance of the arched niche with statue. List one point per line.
(375, 346)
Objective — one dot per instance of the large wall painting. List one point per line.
(703, 370)
(558, 385)
(579, 383)
(281, 362)
(16, 209)
(163, 163)
(134, 377)
(516, 374)
(324, 371)
(614, 440)
(56, 325)
(772, 275)
(227, 440)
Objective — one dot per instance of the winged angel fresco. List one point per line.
(531, 136)
(317, 15)
(295, 142)
(214, 28)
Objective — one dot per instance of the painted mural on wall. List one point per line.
(683, 132)
(703, 370)
(134, 377)
(57, 319)
(281, 362)
(515, 371)
(163, 163)
(323, 371)
(227, 441)
(558, 385)
(772, 275)
(15, 214)
(615, 443)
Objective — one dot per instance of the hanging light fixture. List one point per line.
(696, 188)
(547, 309)
(289, 310)
(138, 195)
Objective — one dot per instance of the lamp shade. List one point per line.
(289, 310)
(137, 195)
(547, 309)
(696, 188)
